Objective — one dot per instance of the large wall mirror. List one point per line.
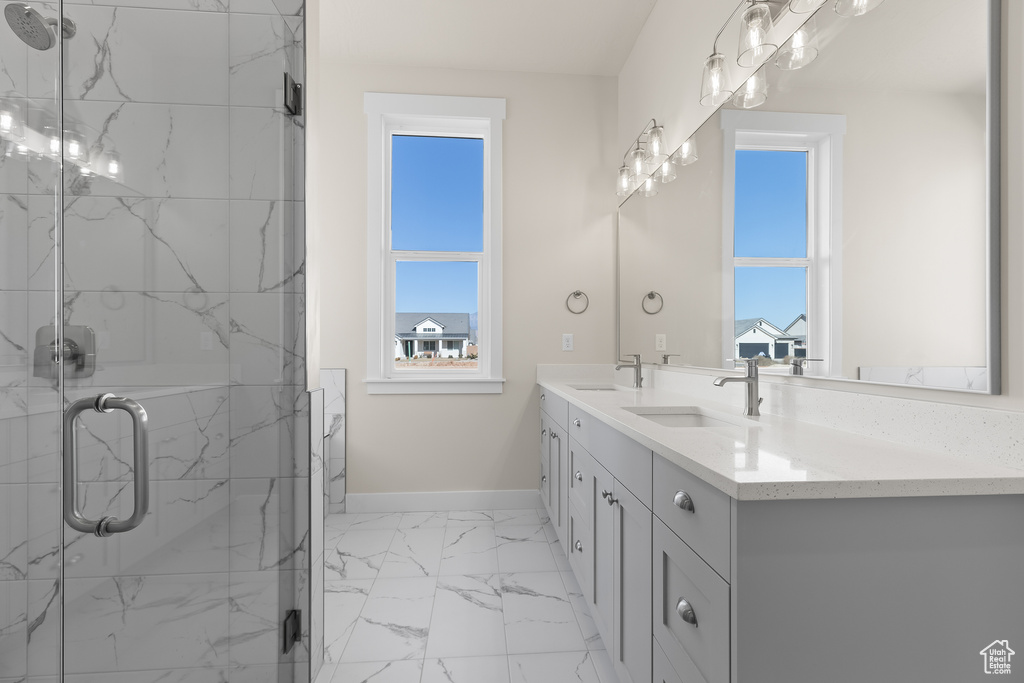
(852, 217)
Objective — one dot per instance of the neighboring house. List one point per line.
(758, 337)
(435, 335)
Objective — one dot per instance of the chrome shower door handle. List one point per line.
(106, 526)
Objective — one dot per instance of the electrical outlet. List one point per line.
(660, 344)
(567, 342)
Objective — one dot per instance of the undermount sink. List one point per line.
(688, 416)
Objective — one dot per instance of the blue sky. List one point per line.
(771, 220)
(437, 204)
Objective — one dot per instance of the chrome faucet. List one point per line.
(798, 364)
(753, 401)
(666, 356)
(638, 377)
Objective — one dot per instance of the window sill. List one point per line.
(432, 385)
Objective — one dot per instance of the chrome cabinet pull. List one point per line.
(576, 422)
(542, 397)
(578, 476)
(543, 433)
(607, 495)
(579, 546)
(683, 501)
(544, 479)
(685, 611)
(106, 403)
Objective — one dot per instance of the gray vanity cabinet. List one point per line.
(554, 462)
(631, 583)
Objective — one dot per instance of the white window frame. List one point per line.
(434, 115)
(821, 137)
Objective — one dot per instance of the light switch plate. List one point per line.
(567, 342)
(660, 344)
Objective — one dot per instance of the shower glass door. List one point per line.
(171, 276)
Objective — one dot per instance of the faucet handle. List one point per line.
(751, 363)
(634, 356)
(666, 356)
(801, 361)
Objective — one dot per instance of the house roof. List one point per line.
(795, 321)
(430, 335)
(453, 323)
(743, 326)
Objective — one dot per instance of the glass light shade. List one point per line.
(800, 50)
(686, 154)
(713, 86)
(74, 145)
(637, 163)
(113, 166)
(12, 125)
(755, 35)
(656, 145)
(666, 172)
(754, 92)
(855, 8)
(52, 141)
(805, 6)
(649, 188)
(623, 184)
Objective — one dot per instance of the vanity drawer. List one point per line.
(581, 474)
(663, 671)
(555, 406)
(696, 511)
(696, 654)
(625, 459)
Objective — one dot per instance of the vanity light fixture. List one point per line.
(754, 92)
(624, 184)
(666, 172)
(801, 49)
(756, 26)
(11, 125)
(687, 153)
(855, 8)
(714, 84)
(805, 6)
(113, 165)
(650, 187)
(646, 163)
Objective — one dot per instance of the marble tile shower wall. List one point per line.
(333, 382)
(190, 270)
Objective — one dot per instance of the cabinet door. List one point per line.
(545, 463)
(558, 474)
(631, 550)
(602, 595)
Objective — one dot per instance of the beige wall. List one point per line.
(558, 228)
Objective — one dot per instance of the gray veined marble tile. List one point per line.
(343, 601)
(467, 619)
(15, 353)
(378, 672)
(14, 57)
(538, 614)
(557, 667)
(14, 173)
(13, 532)
(256, 538)
(333, 382)
(259, 55)
(281, 7)
(44, 621)
(523, 549)
(358, 555)
(146, 622)
(579, 605)
(196, 5)
(264, 157)
(13, 629)
(394, 622)
(167, 150)
(528, 517)
(412, 553)
(423, 520)
(14, 447)
(267, 339)
(255, 609)
(470, 518)
(492, 669)
(129, 54)
(268, 437)
(267, 247)
(374, 520)
(469, 550)
(13, 241)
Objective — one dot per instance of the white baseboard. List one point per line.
(442, 501)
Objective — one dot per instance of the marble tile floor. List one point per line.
(454, 597)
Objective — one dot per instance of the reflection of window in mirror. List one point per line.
(781, 238)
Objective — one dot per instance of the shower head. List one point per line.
(37, 31)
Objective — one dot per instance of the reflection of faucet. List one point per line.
(798, 364)
(666, 356)
(638, 378)
(751, 381)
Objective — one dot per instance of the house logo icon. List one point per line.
(997, 657)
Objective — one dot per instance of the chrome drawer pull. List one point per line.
(683, 501)
(542, 397)
(579, 476)
(544, 479)
(576, 422)
(686, 613)
(607, 495)
(579, 546)
(543, 433)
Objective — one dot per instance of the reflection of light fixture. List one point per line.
(645, 163)
(754, 92)
(687, 153)
(713, 86)
(75, 146)
(11, 123)
(805, 6)
(755, 35)
(855, 8)
(52, 141)
(113, 165)
(800, 50)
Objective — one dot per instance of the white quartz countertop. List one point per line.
(770, 457)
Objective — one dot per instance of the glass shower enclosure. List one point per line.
(154, 422)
